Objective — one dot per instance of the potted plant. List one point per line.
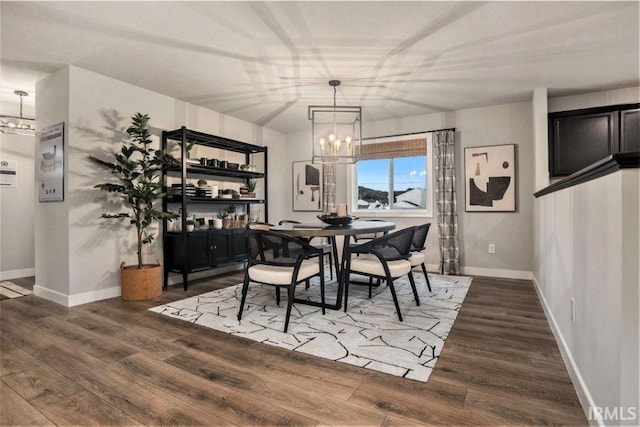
(251, 187)
(191, 225)
(137, 168)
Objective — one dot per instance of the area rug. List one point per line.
(369, 335)
(11, 290)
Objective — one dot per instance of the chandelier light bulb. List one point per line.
(11, 125)
(332, 137)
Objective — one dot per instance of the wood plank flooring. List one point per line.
(115, 363)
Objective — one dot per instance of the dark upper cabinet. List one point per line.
(580, 138)
(630, 130)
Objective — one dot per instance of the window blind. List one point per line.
(391, 149)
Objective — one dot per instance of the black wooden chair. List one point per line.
(385, 258)
(417, 246)
(327, 247)
(281, 261)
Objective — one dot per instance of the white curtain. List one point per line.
(446, 208)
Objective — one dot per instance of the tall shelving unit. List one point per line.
(189, 252)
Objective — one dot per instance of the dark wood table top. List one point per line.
(320, 229)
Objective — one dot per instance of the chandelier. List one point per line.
(18, 125)
(335, 131)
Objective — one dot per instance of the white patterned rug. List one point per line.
(11, 290)
(369, 335)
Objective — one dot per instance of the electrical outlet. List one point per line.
(492, 248)
(573, 310)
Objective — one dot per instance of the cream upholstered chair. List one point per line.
(259, 226)
(385, 258)
(281, 261)
(417, 246)
(326, 246)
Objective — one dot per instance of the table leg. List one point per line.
(340, 275)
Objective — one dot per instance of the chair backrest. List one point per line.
(259, 226)
(393, 246)
(272, 248)
(420, 236)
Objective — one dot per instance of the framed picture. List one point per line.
(50, 164)
(307, 186)
(490, 178)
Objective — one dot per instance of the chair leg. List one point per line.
(322, 292)
(395, 298)
(426, 276)
(413, 287)
(278, 296)
(306, 284)
(290, 293)
(330, 265)
(245, 288)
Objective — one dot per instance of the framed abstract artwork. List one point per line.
(307, 187)
(490, 178)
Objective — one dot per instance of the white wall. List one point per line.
(501, 124)
(17, 257)
(588, 250)
(96, 247)
(586, 247)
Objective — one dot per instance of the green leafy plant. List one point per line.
(137, 167)
(251, 185)
(222, 214)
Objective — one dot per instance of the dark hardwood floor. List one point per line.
(114, 363)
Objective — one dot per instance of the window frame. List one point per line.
(352, 180)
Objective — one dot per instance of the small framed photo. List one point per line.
(50, 164)
(307, 187)
(490, 178)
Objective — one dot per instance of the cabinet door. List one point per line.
(630, 130)
(578, 141)
(220, 242)
(198, 250)
(239, 244)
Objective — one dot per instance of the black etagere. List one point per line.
(188, 252)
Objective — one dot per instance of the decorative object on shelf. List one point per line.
(138, 167)
(191, 225)
(490, 178)
(50, 180)
(18, 125)
(202, 183)
(307, 187)
(337, 220)
(336, 131)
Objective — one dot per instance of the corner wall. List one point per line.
(586, 247)
(84, 262)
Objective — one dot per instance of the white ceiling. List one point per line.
(265, 62)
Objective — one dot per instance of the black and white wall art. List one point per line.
(307, 186)
(490, 178)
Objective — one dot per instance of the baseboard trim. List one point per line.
(51, 295)
(584, 396)
(79, 299)
(497, 272)
(17, 274)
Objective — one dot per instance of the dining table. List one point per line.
(320, 229)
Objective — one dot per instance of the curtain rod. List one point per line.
(411, 133)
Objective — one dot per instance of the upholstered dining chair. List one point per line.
(417, 246)
(385, 258)
(326, 246)
(282, 261)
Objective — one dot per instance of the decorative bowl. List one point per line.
(337, 220)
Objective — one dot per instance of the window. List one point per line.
(393, 177)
